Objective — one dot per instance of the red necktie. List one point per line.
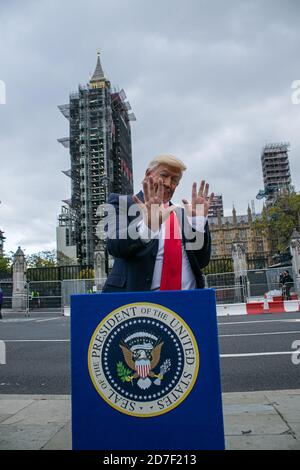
(172, 261)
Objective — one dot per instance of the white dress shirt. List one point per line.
(188, 280)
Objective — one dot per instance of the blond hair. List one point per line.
(166, 160)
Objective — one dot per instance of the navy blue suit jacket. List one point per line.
(134, 259)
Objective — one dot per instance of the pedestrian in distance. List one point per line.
(280, 280)
(288, 282)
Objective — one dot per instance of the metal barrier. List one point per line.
(220, 280)
(7, 288)
(262, 281)
(259, 290)
(252, 284)
(228, 287)
(49, 296)
(231, 295)
(285, 292)
(80, 286)
(55, 295)
(44, 295)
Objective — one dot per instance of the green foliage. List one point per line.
(5, 264)
(279, 221)
(123, 372)
(42, 259)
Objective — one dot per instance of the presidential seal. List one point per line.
(143, 359)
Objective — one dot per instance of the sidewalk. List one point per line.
(253, 420)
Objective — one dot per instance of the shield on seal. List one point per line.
(143, 368)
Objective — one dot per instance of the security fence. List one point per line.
(55, 295)
(59, 273)
(229, 288)
(265, 281)
(44, 295)
(79, 286)
(47, 296)
(250, 285)
(231, 295)
(7, 288)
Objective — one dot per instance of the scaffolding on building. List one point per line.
(276, 171)
(100, 151)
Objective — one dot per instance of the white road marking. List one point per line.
(260, 354)
(17, 320)
(37, 319)
(296, 319)
(261, 334)
(35, 340)
(220, 336)
(48, 319)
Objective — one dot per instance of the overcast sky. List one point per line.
(209, 81)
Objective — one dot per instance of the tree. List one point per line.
(5, 265)
(278, 221)
(42, 259)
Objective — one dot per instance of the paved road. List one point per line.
(37, 355)
(256, 353)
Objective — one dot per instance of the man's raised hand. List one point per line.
(153, 209)
(200, 202)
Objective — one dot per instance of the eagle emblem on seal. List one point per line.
(142, 352)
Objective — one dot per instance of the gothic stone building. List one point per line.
(239, 228)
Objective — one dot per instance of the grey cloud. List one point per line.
(209, 81)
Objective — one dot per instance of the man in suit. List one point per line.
(171, 244)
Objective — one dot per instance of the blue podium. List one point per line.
(145, 371)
